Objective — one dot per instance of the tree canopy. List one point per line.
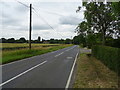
(101, 19)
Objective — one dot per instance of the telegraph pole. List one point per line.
(30, 27)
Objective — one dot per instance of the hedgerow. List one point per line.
(108, 55)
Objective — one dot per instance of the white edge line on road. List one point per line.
(69, 79)
(21, 74)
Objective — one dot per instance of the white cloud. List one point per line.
(41, 27)
(61, 16)
(70, 20)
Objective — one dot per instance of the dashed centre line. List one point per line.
(59, 54)
(70, 49)
(63, 52)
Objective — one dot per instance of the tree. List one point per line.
(11, 40)
(91, 39)
(22, 40)
(82, 28)
(68, 41)
(99, 18)
(52, 41)
(39, 39)
(61, 41)
(80, 40)
(3, 40)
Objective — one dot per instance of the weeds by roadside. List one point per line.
(91, 73)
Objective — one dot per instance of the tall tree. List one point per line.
(99, 18)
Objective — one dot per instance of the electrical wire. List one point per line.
(46, 22)
(41, 16)
(23, 4)
(54, 13)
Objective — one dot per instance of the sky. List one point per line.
(61, 16)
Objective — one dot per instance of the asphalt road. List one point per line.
(50, 70)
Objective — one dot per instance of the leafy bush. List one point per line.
(109, 56)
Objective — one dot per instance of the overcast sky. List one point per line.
(61, 16)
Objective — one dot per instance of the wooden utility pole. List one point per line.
(30, 27)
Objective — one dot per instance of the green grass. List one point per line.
(92, 73)
(13, 55)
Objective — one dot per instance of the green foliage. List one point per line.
(109, 56)
(88, 40)
(79, 40)
(91, 40)
(82, 28)
(116, 7)
(100, 18)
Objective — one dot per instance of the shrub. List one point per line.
(109, 56)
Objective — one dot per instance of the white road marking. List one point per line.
(70, 48)
(69, 79)
(21, 74)
(59, 54)
(69, 57)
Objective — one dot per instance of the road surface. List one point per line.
(50, 70)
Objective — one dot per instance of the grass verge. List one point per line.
(91, 73)
(13, 55)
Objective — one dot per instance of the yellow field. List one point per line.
(12, 45)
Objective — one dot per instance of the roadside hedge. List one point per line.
(109, 56)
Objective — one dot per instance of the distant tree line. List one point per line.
(12, 40)
(23, 40)
(60, 41)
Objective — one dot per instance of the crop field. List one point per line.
(9, 45)
(14, 46)
(14, 51)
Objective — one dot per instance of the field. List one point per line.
(13, 46)
(10, 45)
(17, 51)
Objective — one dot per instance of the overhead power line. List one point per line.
(54, 13)
(41, 16)
(46, 22)
(22, 4)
